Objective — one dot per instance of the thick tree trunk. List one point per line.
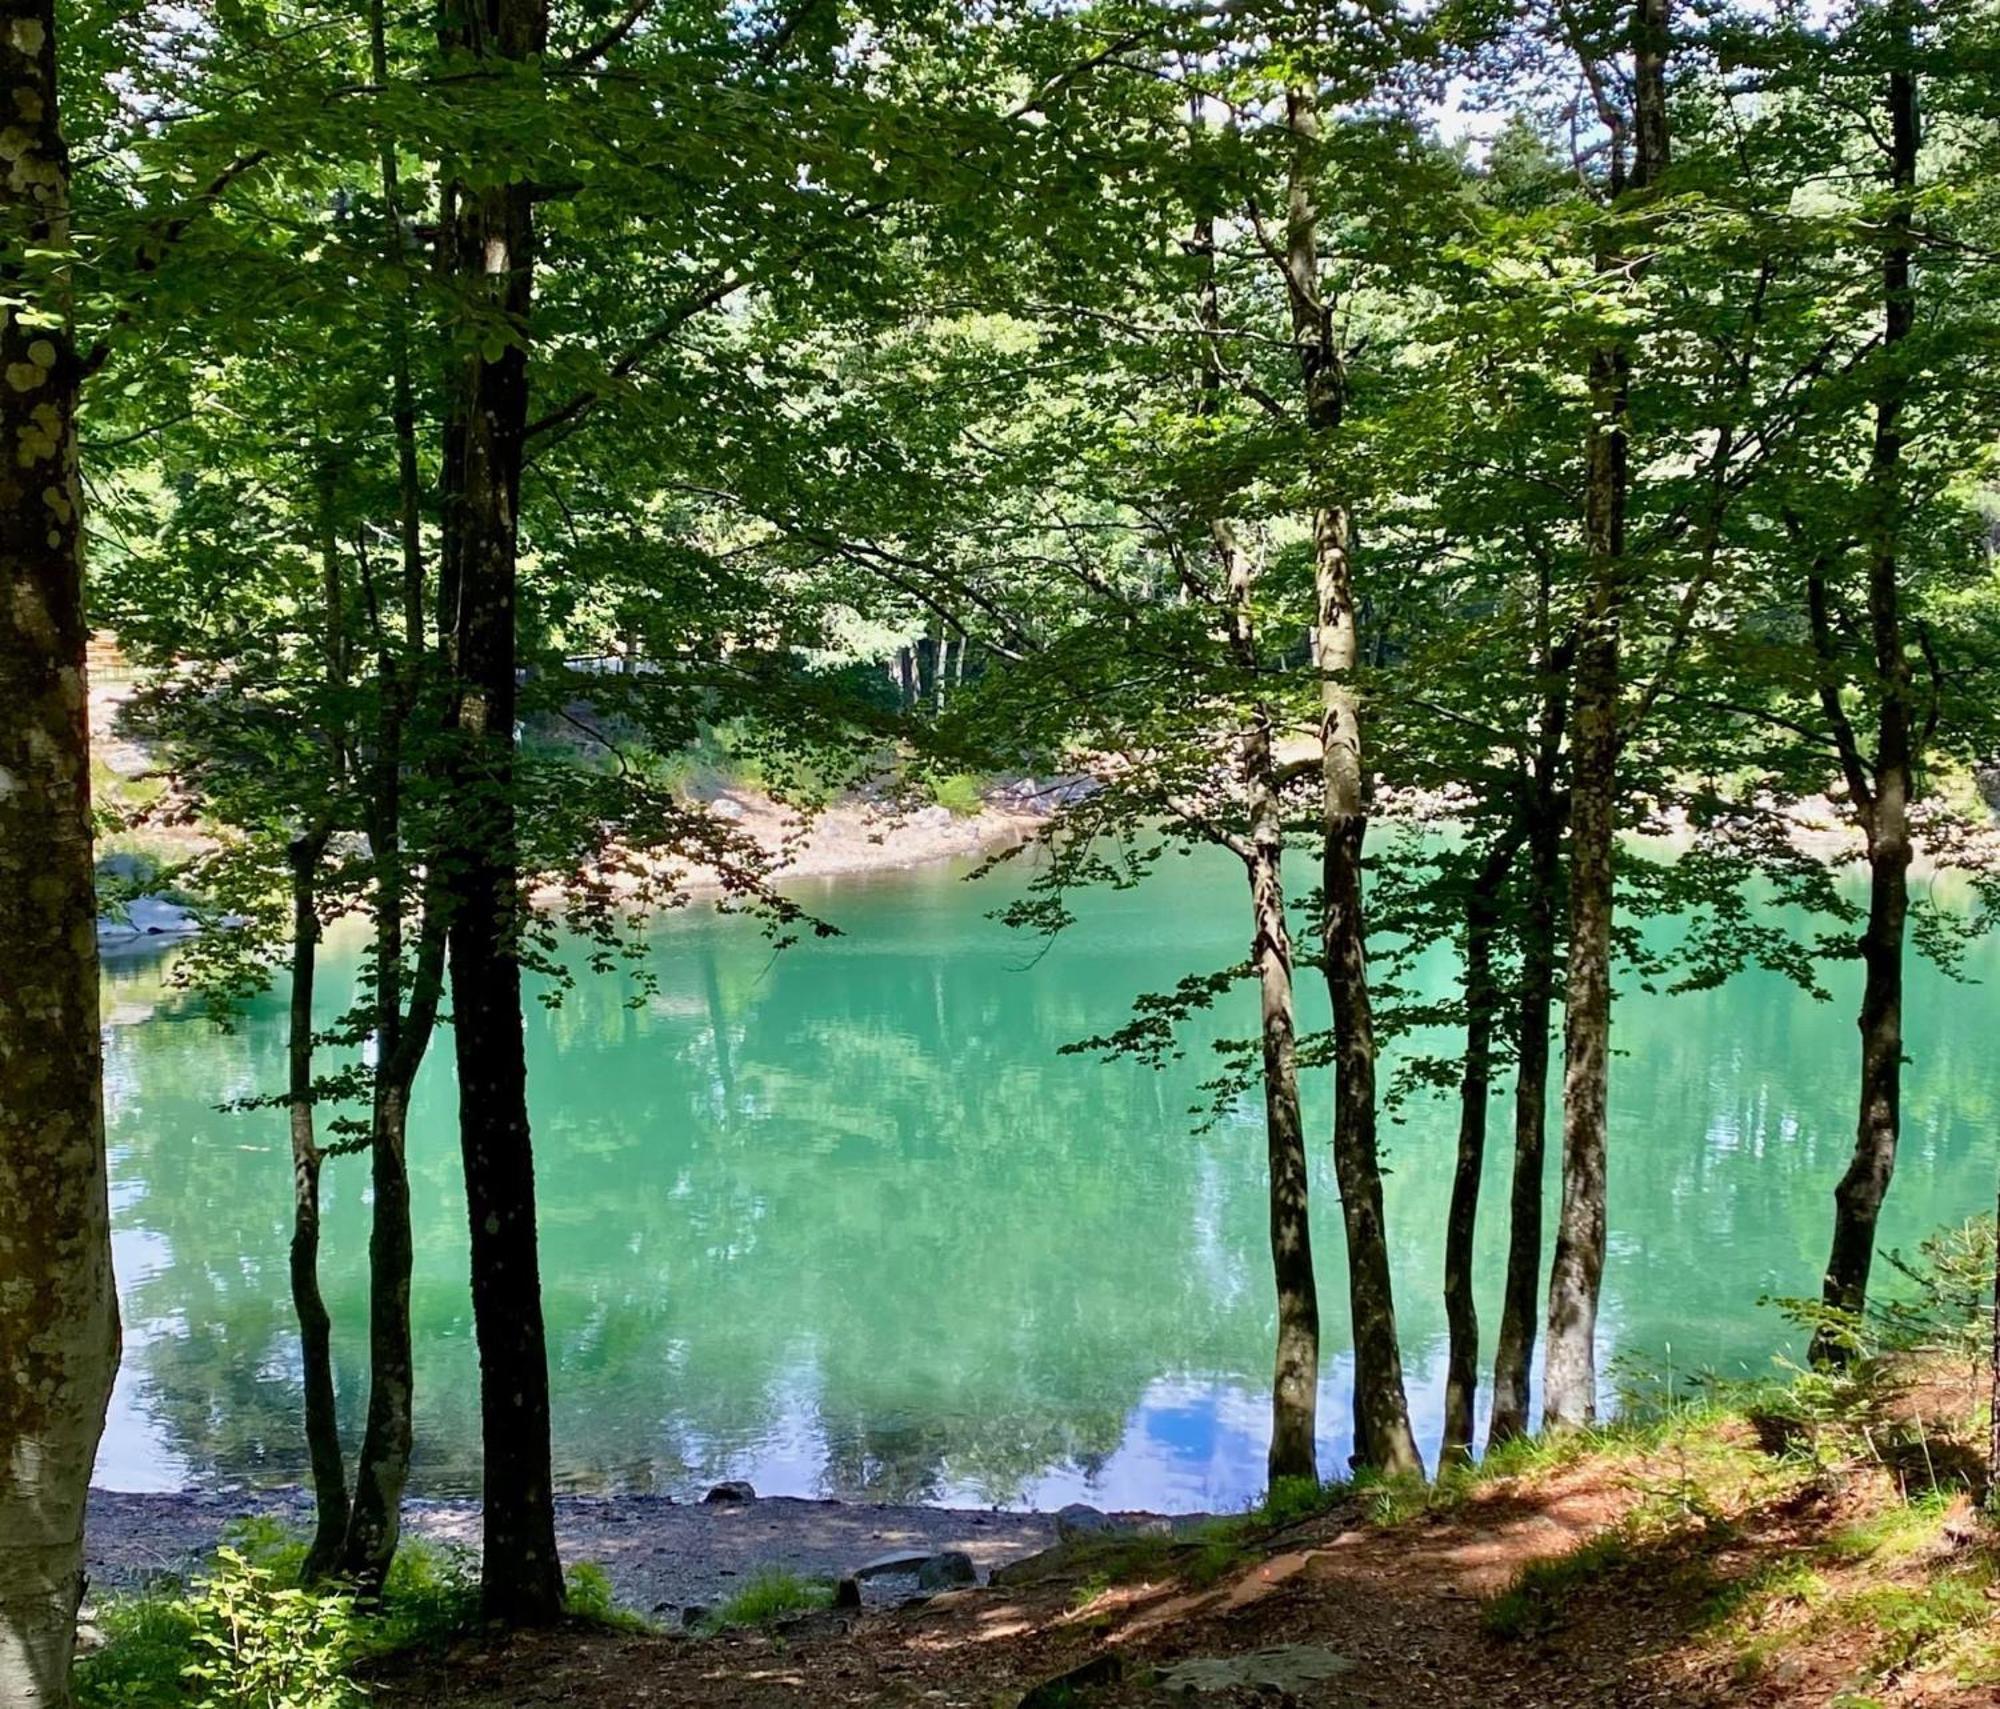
(1883, 800)
(520, 1575)
(58, 1309)
(1576, 1274)
(1514, 1349)
(1461, 1309)
(322, 1418)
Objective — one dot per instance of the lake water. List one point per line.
(842, 1221)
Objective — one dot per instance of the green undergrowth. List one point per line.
(770, 1595)
(242, 1633)
(1900, 1576)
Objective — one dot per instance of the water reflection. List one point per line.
(843, 1221)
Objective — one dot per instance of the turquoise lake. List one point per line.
(841, 1220)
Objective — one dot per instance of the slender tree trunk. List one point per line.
(1883, 801)
(382, 1471)
(1514, 1351)
(369, 1543)
(1294, 1449)
(1295, 1379)
(1383, 1438)
(322, 1419)
(58, 1308)
(1482, 1001)
(1576, 1274)
(520, 1574)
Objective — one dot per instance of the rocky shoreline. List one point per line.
(662, 1557)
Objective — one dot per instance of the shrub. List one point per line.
(258, 1643)
(959, 794)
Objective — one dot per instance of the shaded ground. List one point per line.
(1693, 1571)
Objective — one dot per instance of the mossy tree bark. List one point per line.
(58, 1308)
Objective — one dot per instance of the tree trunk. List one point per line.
(58, 1307)
(1461, 1380)
(1514, 1351)
(1576, 1275)
(1295, 1379)
(1295, 1382)
(369, 1544)
(382, 1471)
(520, 1574)
(322, 1419)
(1884, 801)
(1294, 1449)
(1569, 1380)
(1383, 1438)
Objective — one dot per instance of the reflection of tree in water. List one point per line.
(852, 1198)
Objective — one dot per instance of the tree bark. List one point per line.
(1882, 800)
(382, 1471)
(58, 1307)
(1294, 1451)
(1514, 1349)
(1382, 1435)
(1482, 1002)
(1576, 1274)
(322, 1419)
(1295, 1379)
(520, 1573)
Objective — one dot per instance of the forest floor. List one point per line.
(1715, 1558)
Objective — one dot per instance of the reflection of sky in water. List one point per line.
(846, 1221)
(135, 1453)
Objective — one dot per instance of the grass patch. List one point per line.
(771, 1594)
(1893, 1534)
(1531, 1607)
(1292, 1501)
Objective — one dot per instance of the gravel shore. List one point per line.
(660, 1555)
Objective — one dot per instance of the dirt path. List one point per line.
(1781, 1587)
